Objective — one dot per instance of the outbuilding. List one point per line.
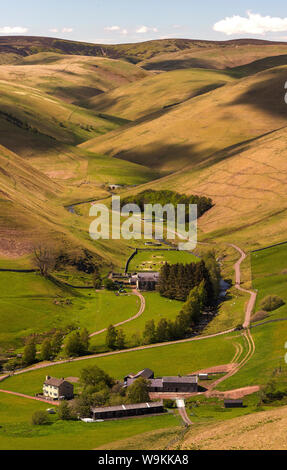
(124, 411)
(228, 403)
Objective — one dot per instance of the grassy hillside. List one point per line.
(164, 53)
(17, 432)
(41, 121)
(197, 129)
(258, 431)
(269, 272)
(213, 55)
(186, 359)
(157, 93)
(71, 78)
(217, 139)
(157, 307)
(32, 212)
(38, 305)
(247, 185)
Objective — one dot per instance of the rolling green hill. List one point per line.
(163, 54)
(68, 77)
(196, 130)
(159, 92)
(39, 121)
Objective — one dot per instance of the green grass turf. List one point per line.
(111, 170)
(153, 260)
(269, 354)
(17, 433)
(27, 306)
(231, 312)
(203, 410)
(268, 278)
(157, 307)
(183, 358)
(269, 274)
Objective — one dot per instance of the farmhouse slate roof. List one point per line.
(186, 380)
(54, 382)
(145, 373)
(151, 276)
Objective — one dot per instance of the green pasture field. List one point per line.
(27, 305)
(153, 260)
(181, 358)
(17, 432)
(268, 267)
(269, 355)
(269, 274)
(231, 312)
(157, 307)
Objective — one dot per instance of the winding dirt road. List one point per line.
(253, 295)
(140, 312)
(248, 311)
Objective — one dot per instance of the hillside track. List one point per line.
(134, 317)
(184, 416)
(253, 295)
(22, 395)
(247, 334)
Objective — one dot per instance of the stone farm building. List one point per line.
(123, 411)
(57, 388)
(178, 384)
(146, 281)
(145, 374)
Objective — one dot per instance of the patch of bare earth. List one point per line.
(216, 369)
(13, 247)
(60, 174)
(73, 379)
(236, 393)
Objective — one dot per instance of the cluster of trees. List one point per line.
(115, 338)
(99, 389)
(276, 388)
(164, 197)
(271, 303)
(182, 326)
(72, 342)
(177, 280)
(213, 268)
(46, 259)
(77, 343)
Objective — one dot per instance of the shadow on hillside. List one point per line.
(259, 65)
(77, 93)
(177, 64)
(165, 157)
(267, 95)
